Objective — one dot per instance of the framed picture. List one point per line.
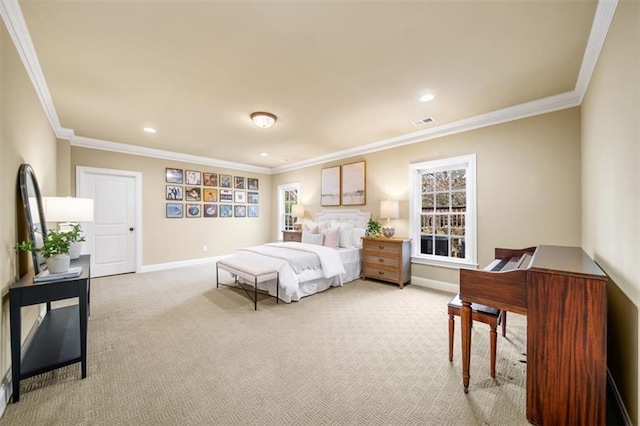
(240, 211)
(193, 177)
(226, 196)
(253, 198)
(225, 181)
(175, 210)
(209, 179)
(174, 192)
(239, 197)
(330, 186)
(226, 210)
(210, 195)
(194, 210)
(210, 210)
(353, 184)
(239, 182)
(193, 193)
(252, 184)
(253, 211)
(173, 175)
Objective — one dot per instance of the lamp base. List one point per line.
(388, 231)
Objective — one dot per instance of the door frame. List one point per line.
(83, 171)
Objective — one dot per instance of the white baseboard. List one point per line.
(181, 264)
(436, 285)
(6, 390)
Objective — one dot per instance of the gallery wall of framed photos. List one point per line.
(198, 194)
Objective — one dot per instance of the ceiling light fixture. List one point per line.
(264, 154)
(263, 119)
(149, 130)
(427, 98)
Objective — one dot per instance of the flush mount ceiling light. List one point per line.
(149, 130)
(263, 119)
(427, 98)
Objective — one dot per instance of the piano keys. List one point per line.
(563, 293)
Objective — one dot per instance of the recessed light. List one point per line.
(149, 130)
(264, 154)
(427, 98)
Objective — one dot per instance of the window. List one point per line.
(442, 208)
(287, 197)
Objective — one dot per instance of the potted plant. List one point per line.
(55, 248)
(374, 229)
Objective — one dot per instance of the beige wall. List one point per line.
(528, 183)
(611, 194)
(25, 137)
(171, 240)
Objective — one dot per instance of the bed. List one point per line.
(310, 267)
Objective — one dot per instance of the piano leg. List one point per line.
(465, 320)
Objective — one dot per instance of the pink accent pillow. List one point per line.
(332, 238)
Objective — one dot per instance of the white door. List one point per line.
(113, 239)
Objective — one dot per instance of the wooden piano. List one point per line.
(563, 293)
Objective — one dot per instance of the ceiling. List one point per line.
(340, 76)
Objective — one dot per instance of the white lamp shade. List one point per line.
(390, 209)
(297, 210)
(68, 209)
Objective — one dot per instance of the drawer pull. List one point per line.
(381, 260)
(380, 247)
(380, 273)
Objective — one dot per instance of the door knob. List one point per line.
(131, 229)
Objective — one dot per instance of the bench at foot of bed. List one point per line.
(255, 273)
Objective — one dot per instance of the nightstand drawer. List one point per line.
(292, 236)
(374, 260)
(382, 246)
(382, 274)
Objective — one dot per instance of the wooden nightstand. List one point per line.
(292, 236)
(387, 259)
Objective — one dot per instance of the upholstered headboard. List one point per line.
(355, 217)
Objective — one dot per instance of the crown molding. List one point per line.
(517, 112)
(599, 29)
(122, 148)
(16, 26)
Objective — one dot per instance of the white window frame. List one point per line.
(282, 189)
(467, 162)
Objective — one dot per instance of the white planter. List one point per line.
(74, 250)
(58, 263)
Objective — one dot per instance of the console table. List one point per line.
(61, 337)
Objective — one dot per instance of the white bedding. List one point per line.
(304, 269)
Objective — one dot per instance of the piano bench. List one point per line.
(481, 313)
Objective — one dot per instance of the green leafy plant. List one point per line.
(55, 242)
(374, 228)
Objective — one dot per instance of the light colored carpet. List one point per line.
(170, 348)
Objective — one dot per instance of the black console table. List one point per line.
(61, 337)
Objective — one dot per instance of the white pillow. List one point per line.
(346, 233)
(310, 238)
(310, 226)
(357, 234)
(332, 238)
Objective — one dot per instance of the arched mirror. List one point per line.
(33, 212)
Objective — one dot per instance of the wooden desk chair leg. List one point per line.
(503, 321)
(494, 340)
(451, 328)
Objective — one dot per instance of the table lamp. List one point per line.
(391, 210)
(297, 211)
(68, 211)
